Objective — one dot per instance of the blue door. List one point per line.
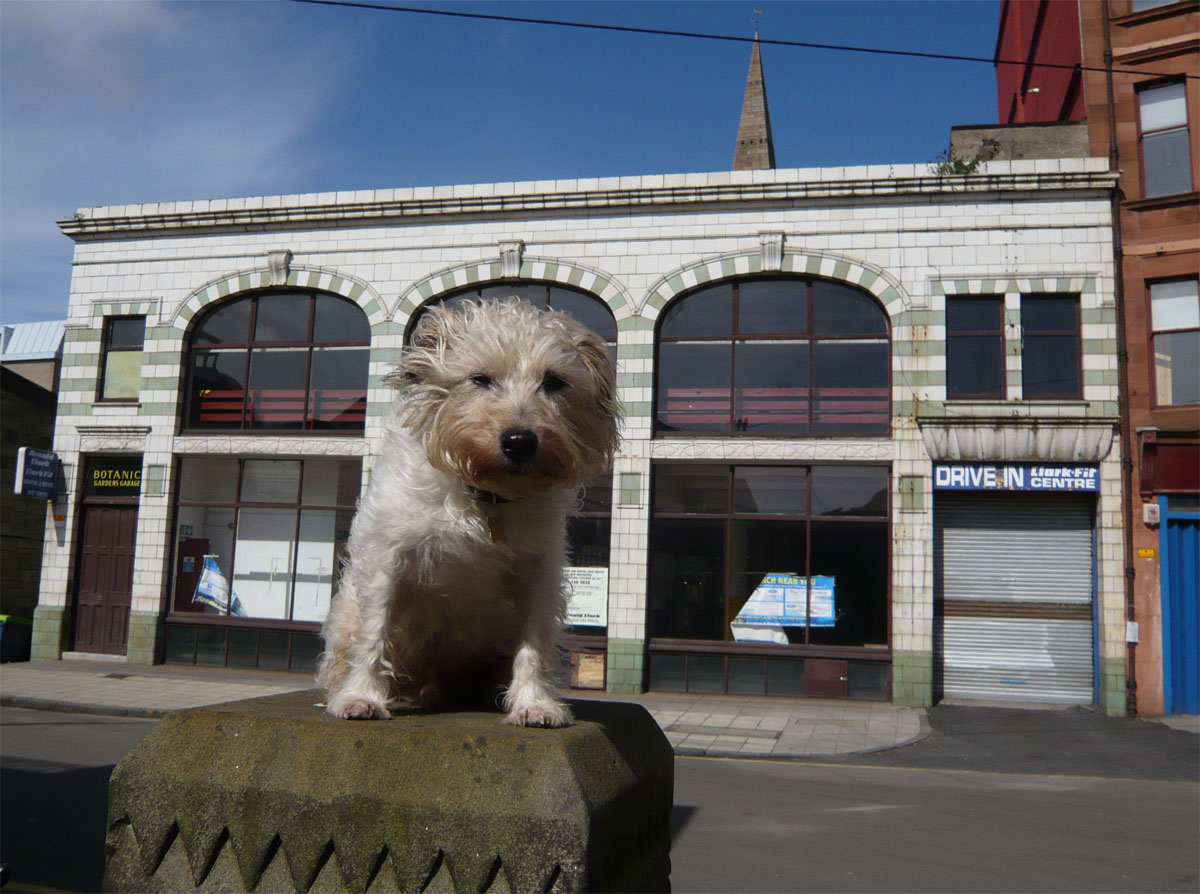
(1181, 613)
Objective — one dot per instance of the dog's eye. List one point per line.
(483, 380)
(552, 383)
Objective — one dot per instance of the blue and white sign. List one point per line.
(780, 599)
(1039, 477)
(213, 589)
(36, 473)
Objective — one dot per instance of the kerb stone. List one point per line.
(272, 794)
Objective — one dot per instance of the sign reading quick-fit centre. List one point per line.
(1017, 477)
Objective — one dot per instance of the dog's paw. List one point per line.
(357, 707)
(549, 715)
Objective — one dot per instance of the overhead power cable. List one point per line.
(698, 35)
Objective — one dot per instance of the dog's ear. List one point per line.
(424, 351)
(597, 360)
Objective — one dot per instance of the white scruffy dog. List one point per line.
(453, 572)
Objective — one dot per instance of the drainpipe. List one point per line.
(1127, 443)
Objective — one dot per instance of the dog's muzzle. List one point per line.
(519, 445)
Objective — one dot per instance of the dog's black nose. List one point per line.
(518, 444)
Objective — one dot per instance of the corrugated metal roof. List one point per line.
(31, 341)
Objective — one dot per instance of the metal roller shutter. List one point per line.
(1013, 597)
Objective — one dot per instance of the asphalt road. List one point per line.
(989, 802)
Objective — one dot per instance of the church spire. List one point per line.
(755, 149)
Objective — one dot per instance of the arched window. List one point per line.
(292, 360)
(777, 356)
(585, 308)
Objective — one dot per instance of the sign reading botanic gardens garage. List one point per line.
(114, 476)
(1017, 477)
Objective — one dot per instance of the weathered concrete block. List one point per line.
(272, 794)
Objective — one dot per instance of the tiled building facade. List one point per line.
(1128, 78)
(906, 242)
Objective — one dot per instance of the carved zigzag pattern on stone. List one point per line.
(218, 860)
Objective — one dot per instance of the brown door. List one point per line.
(105, 579)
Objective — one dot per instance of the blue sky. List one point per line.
(117, 102)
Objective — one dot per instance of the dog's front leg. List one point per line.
(355, 632)
(531, 699)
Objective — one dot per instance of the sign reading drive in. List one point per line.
(36, 471)
(1017, 476)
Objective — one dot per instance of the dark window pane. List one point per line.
(338, 388)
(770, 490)
(691, 489)
(587, 310)
(270, 481)
(1050, 365)
(273, 650)
(597, 495)
(849, 490)
(707, 312)
(841, 310)
(339, 320)
(1167, 161)
(867, 680)
(126, 332)
(747, 676)
(758, 548)
(706, 673)
(855, 555)
(975, 314)
(687, 580)
(850, 380)
(305, 650)
(210, 646)
(588, 542)
(217, 395)
(693, 386)
(1177, 367)
(533, 292)
(773, 305)
(975, 366)
(180, 647)
(228, 324)
(332, 482)
(208, 479)
(1049, 313)
(772, 386)
(282, 318)
(243, 648)
(278, 380)
(668, 673)
(785, 677)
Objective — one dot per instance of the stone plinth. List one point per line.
(272, 794)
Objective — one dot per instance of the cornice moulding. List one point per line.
(272, 213)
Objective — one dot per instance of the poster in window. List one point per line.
(587, 604)
(213, 589)
(780, 600)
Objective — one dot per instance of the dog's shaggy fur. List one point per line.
(453, 573)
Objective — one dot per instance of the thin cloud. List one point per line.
(113, 103)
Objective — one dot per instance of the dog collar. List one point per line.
(486, 496)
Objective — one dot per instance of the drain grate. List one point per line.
(117, 676)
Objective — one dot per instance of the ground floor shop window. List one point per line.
(589, 531)
(226, 646)
(787, 555)
(261, 538)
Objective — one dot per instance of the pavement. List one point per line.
(695, 724)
